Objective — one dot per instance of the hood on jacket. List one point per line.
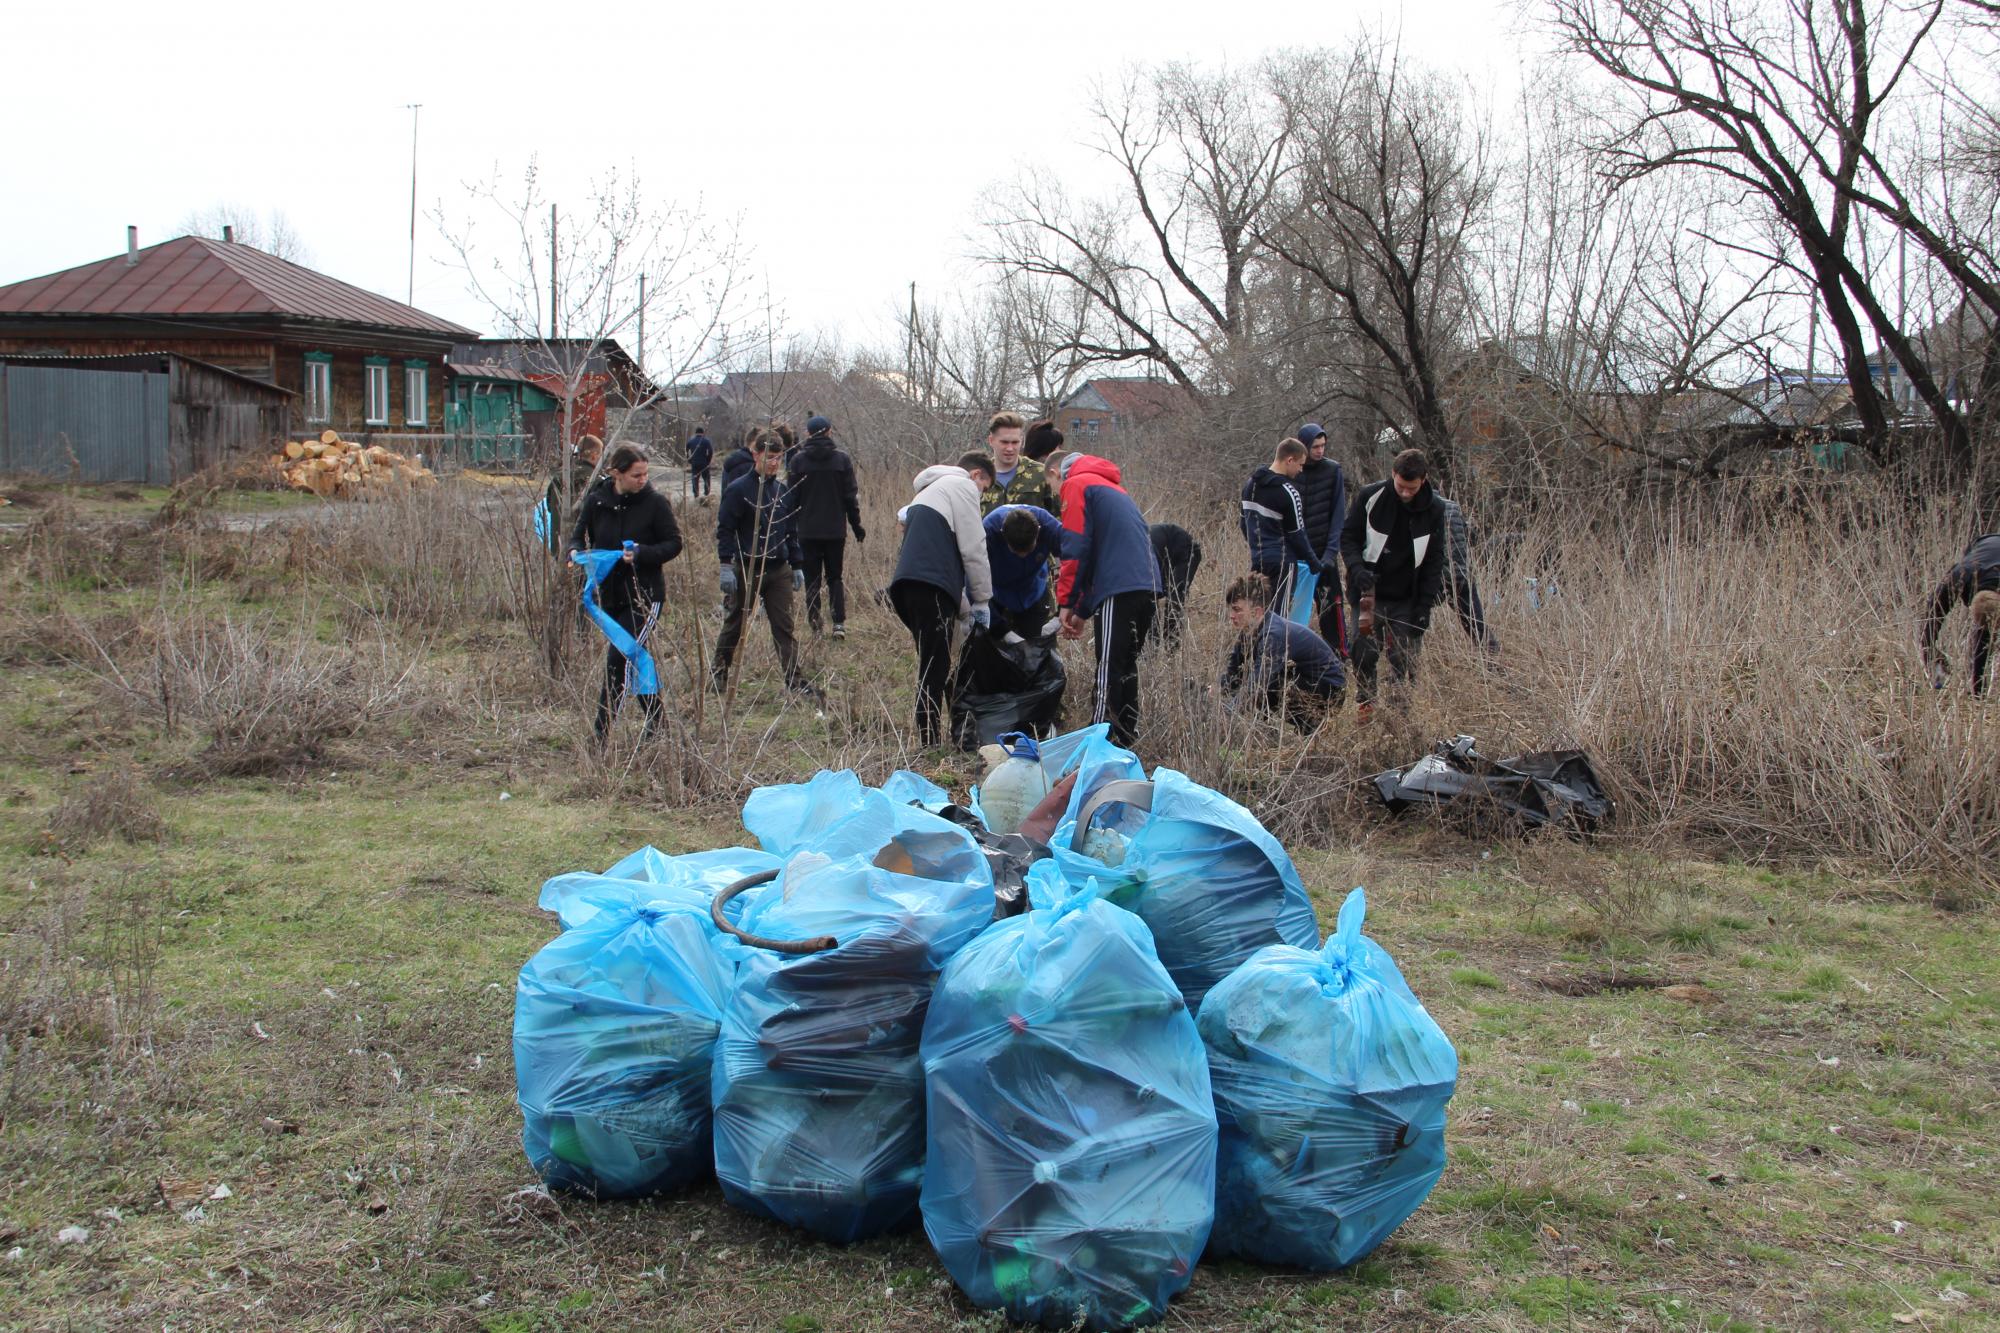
(1266, 475)
(937, 472)
(1089, 467)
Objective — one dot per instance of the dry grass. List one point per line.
(117, 804)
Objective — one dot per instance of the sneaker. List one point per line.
(839, 631)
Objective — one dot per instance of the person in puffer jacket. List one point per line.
(1323, 486)
(1274, 523)
(943, 556)
(1110, 578)
(1394, 545)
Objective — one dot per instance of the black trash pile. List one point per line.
(1545, 788)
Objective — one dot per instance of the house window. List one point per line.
(1094, 423)
(416, 393)
(1076, 425)
(376, 378)
(319, 386)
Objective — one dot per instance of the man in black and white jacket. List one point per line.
(1394, 544)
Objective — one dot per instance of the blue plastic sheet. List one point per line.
(818, 1088)
(1330, 1085)
(641, 676)
(1304, 584)
(1071, 1123)
(615, 1023)
(1212, 884)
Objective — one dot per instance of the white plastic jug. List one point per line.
(1014, 786)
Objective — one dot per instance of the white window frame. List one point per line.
(319, 391)
(374, 377)
(416, 395)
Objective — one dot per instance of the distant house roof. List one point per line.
(194, 275)
(1133, 399)
(1575, 364)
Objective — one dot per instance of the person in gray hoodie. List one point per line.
(943, 558)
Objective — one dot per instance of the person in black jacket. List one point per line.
(1276, 664)
(701, 453)
(1274, 519)
(757, 543)
(1977, 572)
(1394, 545)
(622, 508)
(739, 462)
(821, 476)
(1323, 487)
(1178, 555)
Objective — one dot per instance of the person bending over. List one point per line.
(943, 557)
(1976, 574)
(1276, 664)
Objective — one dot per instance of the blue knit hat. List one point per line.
(818, 425)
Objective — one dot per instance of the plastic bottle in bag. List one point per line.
(1015, 786)
(1070, 1173)
(1330, 1088)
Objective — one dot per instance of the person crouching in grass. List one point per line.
(1276, 664)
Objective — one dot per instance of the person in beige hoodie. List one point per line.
(943, 557)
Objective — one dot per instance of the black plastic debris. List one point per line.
(1008, 854)
(1006, 684)
(1536, 789)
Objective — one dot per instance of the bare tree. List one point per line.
(1785, 101)
(1162, 268)
(566, 285)
(272, 232)
(1386, 176)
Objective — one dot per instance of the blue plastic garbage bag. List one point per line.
(641, 676)
(1212, 884)
(907, 788)
(787, 817)
(1072, 1131)
(614, 1033)
(818, 1089)
(1330, 1084)
(575, 898)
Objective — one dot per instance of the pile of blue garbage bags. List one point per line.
(1138, 1052)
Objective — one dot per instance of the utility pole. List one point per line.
(642, 323)
(414, 108)
(554, 328)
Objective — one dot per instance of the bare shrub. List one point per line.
(116, 804)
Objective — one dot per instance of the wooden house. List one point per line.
(362, 364)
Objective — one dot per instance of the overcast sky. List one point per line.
(855, 140)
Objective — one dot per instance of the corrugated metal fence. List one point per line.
(93, 425)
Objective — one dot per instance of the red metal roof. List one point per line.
(194, 275)
(1142, 400)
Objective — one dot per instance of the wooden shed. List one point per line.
(151, 418)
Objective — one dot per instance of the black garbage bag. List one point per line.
(1005, 683)
(1533, 790)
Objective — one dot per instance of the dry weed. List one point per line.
(115, 804)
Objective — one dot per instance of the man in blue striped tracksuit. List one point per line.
(1274, 523)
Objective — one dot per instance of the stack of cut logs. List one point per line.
(332, 466)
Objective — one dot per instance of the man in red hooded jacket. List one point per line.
(1109, 577)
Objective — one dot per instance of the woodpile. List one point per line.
(333, 467)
